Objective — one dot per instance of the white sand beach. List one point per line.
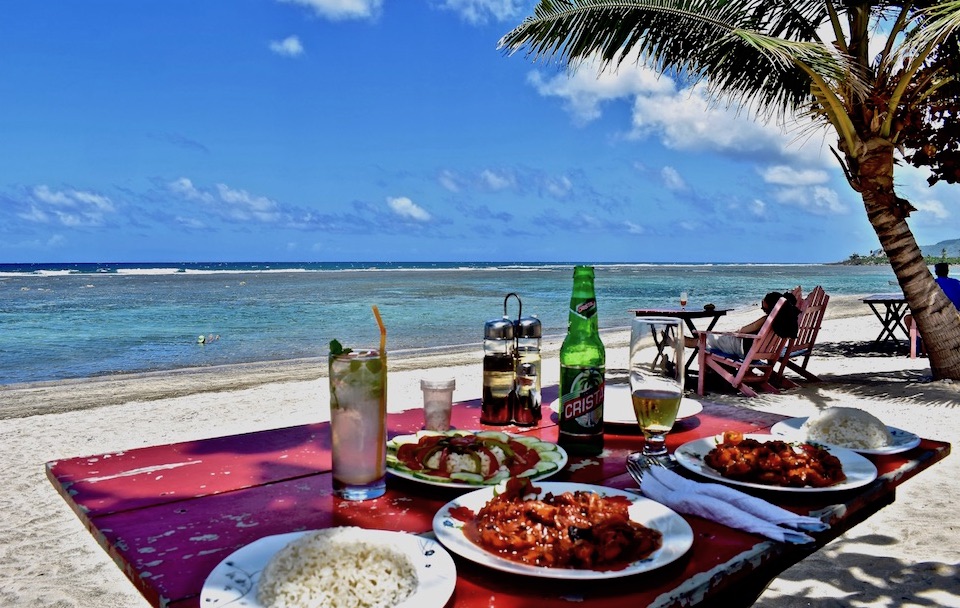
(907, 555)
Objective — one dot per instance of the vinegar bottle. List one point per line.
(498, 372)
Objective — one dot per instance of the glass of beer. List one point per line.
(656, 379)
(358, 416)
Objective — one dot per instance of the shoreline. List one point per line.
(47, 397)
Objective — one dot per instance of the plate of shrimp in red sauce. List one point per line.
(562, 530)
(770, 462)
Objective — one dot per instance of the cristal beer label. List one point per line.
(584, 402)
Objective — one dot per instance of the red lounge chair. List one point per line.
(812, 309)
(755, 368)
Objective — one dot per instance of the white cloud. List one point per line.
(288, 47)
(245, 206)
(818, 200)
(559, 187)
(496, 181)
(34, 215)
(70, 207)
(228, 203)
(686, 120)
(585, 90)
(341, 9)
(189, 222)
(672, 180)
(449, 181)
(682, 119)
(404, 207)
(634, 228)
(45, 195)
(932, 206)
(96, 200)
(782, 175)
(481, 11)
(911, 184)
(757, 207)
(185, 188)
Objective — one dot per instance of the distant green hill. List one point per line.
(936, 251)
(948, 251)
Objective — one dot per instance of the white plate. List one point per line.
(562, 462)
(234, 581)
(677, 534)
(618, 406)
(859, 470)
(902, 440)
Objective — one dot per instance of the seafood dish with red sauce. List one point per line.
(465, 458)
(581, 529)
(774, 463)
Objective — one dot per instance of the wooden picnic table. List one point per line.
(894, 309)
(168, 514)
(688, 315)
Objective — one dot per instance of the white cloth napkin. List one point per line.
(727, 506)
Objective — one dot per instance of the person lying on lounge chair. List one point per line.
(784, 325)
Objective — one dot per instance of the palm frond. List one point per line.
(935, 23)
(748, 50)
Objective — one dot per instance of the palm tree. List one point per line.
(789, 59)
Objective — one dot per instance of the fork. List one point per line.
(637, 466)
(636, 469)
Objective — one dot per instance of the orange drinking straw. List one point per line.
(383, 361)
(383, 332)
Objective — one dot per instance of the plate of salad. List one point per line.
(471, 459)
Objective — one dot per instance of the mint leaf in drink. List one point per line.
(337, 349)
(374, 365)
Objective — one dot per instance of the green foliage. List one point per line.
(337, 349)
(882, 260)
(931, 132)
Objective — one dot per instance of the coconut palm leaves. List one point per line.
(750, 51)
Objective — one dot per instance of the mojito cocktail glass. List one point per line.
(358, 414)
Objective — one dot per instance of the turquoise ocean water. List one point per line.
(61, 321)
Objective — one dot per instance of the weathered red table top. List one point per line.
(169, 514)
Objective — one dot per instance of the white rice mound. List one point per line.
(336, 568)
(847, 427)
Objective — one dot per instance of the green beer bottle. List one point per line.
(582, 365)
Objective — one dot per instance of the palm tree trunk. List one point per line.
(937, 319)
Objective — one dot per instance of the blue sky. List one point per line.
(387, 130)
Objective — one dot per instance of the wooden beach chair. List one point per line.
(812, 310)
(755, 369)
(798, 294)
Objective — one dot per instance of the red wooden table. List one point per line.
(169, 514)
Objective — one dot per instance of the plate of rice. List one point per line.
(850, 428)
(346, 567)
